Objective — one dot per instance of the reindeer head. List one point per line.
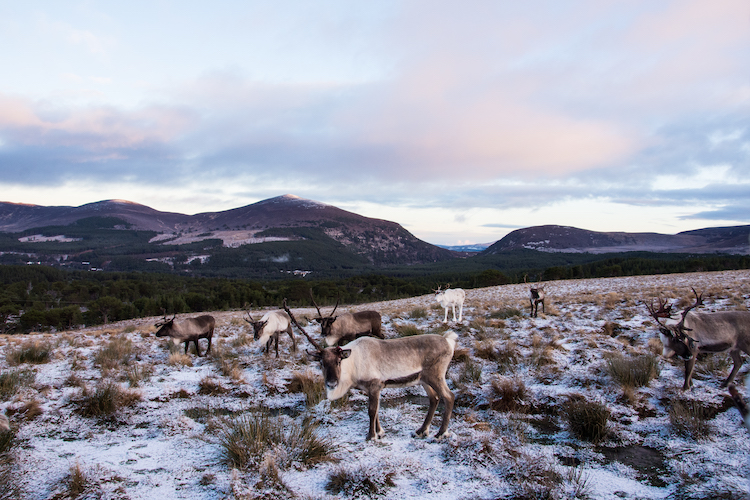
(330, 364)
(674, 337)
(257, 325)
(164, 325)
(326, 322)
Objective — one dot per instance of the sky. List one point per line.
(462, 121)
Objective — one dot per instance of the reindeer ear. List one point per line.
(344, 353)
(313, 355)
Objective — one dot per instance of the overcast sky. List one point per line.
(460, 120)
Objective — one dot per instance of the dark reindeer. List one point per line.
(188, 330)
(536, 297)
(342, 329)
(702, 332)
(371, 364)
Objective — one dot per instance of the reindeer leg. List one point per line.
(432, 396)
(187, 344)
(448, 400)
(210, 334)
(291, 336)
(737, 358)
(689, 366)
(373, 393)
(276, 343)
(197, 347)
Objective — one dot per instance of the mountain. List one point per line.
(284, 218)
(564, 239)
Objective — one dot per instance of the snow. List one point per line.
(161, 447)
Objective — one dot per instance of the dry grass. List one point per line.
(690, 418)
(635, 371)
(310, 384)
(406, 329)
(179, 359)
(209, 386)
(105, 400)
(32, 351)
(27, 411)
(587, 420)
(12, 380)
(360, 481)
(508, 394)
(245, 441)
(118, 352)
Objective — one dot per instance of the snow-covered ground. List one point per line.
(167, 443)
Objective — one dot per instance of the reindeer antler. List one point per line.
(249, 318)
(294, 322)
(698, 302)
(320, 314)
(664, 311)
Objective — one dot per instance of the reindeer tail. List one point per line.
(452, 338)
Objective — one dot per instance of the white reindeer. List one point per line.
(451, 297)
(268, 328)
(371, 364)
(701, 332)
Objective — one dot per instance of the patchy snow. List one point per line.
(167, 444)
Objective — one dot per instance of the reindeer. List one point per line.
(268, 328)
(188, 330)
(4, 423)
(709, 333)
(342, 329)
(536, 296)
(371, 364)
(451, 297)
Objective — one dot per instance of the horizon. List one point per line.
(459, 122)
(481, 243)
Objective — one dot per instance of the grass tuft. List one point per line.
(106, 399)
(508, 394)
(32, 351)
(12, 380)
(360, 481)
(406, 329)
(633, 371)
(245, 441)
(587, 420)
(690, 418)
(310, 384)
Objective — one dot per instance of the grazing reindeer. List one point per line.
(342, 329)
(4, 423)
(709, 333)
(371, 364)
(188, 330)
(451, 297)
(268, 328)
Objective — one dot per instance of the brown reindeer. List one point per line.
(188, 330)
(342, 329)
(702, 332)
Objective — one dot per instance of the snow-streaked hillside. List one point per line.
(510, 437)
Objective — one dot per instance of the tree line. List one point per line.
(35, 298)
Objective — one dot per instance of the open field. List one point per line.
(576, 403)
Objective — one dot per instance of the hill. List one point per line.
(285, 233)
(564, 239)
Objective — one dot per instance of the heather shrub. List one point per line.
(587, 420)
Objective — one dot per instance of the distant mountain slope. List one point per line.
(564, 239)
(379, 241)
